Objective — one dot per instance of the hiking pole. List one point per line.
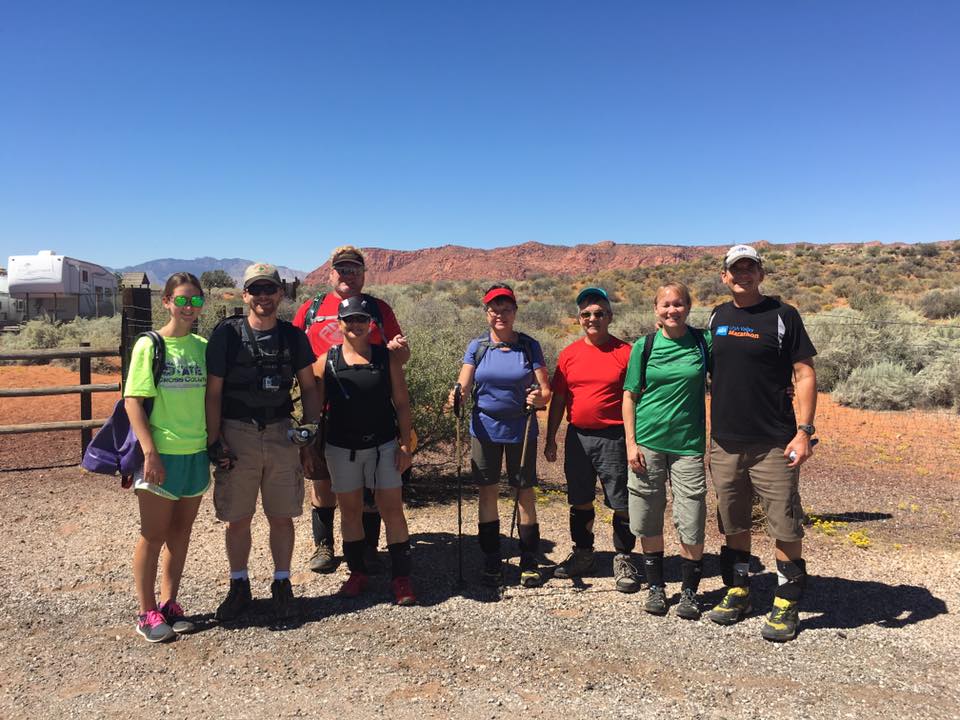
(458, 414)
(529, 412)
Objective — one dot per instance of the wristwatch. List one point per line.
(808, 429)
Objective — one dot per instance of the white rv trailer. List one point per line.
(11, 309)
(60, 287)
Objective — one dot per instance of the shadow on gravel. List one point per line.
(847, 604)
(851, 517)
(841, 604)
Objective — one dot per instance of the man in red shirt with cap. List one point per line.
(588, 385)
(318, 318)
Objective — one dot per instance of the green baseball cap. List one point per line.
(592, 292)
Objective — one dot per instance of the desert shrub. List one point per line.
(938, 384)
(879, 386)
(845, 286)
(38, 334)
(844, 341)
(937, 304)
(538, 314)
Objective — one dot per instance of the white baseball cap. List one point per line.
(739, 252)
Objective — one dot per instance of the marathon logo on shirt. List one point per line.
(744, 331)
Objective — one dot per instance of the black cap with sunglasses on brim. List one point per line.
(354, 306)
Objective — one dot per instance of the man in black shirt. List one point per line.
(758, 442)
(252, 362)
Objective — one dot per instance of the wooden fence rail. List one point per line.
(86, 423)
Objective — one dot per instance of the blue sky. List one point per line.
(277, 130)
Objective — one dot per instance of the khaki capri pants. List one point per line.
(648, 496)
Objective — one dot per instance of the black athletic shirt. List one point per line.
(754, 350)
(360, 412)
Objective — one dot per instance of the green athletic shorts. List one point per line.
(187, 476)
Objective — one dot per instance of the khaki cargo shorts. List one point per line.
(267, 464)
(740, 469)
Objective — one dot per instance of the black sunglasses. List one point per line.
(262, 289)
(599, 314)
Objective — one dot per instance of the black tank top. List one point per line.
(360, 412)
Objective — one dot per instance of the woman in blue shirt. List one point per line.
(508, 375)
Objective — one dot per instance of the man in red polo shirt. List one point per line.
(588, 385)
(318, 318)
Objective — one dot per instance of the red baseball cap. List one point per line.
(499, 292)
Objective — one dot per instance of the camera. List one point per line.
(270, 383)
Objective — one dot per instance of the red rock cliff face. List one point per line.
(451, 262)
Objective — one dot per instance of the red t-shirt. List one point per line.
(592, 379)
(324, 331)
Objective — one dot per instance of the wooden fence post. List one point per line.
(86, 402)
(137, 318)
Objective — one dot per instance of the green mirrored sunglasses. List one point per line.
(182, 300)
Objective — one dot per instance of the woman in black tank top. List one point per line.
(367, 443)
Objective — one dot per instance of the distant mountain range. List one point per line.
(159, 270)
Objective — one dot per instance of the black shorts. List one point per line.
(486, 459)
(592, 454)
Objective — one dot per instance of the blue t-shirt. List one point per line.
(501, 382)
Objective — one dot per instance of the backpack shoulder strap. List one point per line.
(704, 351)
(312, 311)
(483, 344)
(645, 358)
(159, 354)
(377, 316)
(526, 346)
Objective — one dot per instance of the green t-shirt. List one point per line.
(178, 421)
(670, 413)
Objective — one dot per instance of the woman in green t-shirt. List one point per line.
(176, 469)
(665, 425)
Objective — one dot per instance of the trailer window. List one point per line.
(83, 275)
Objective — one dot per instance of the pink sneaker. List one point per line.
(355, 584)
(403, 591)
(174, 617)
(153, 627)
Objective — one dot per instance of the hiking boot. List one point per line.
(492, 570)
(174, 617)
(578, 562)
(734, 607)
(781, 623)
(371, 558)
(656, 602)
(688, 608)
(355, 584)
(323, 560)
(403, 591)
(237, 600)
(531, 576)
(625, 574)
(153, 627)
(284, 603)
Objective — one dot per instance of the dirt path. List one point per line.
(878, 639)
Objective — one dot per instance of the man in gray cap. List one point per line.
(758, 442)
(252, 362)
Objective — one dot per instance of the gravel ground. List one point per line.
(879, 634)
